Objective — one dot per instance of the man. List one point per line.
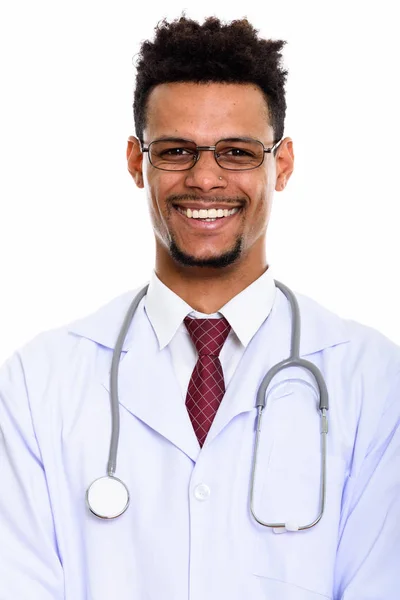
(209, 151)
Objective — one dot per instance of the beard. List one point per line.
(217, 262)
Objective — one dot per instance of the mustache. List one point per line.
(209, 199)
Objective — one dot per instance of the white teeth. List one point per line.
(211, 214)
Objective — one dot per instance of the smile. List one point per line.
(209, 215)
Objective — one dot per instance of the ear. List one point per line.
(284, 163)
(134, 157)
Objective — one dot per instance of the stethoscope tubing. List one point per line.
(293, 360)
(112, 459)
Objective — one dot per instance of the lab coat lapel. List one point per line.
(319, 329)
(148, 387)
(149, 390)
(240, 395)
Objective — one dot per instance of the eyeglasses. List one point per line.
(234, 154)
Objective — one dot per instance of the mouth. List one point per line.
(207, 215)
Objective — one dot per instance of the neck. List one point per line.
(208, 289)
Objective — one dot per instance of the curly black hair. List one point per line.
(185, 50)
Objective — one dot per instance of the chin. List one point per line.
(219, 261)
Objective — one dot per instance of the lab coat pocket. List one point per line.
(299, 562)
(272, 588)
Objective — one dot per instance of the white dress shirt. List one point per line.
(245, 313)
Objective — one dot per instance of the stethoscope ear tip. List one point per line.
(292, 526)
(289, 526)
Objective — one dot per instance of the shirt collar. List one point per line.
(245, 312)
(165, 310)
(320, 328)
(248, 310)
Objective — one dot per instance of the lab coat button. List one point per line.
(202, 492)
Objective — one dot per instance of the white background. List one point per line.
(74, 230)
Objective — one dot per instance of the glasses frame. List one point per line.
(199, 149)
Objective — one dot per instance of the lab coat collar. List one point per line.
(103, 326)
(245, 312)
(319, 327)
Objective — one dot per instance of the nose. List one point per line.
(206, 174)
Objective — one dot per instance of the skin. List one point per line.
(206, 113)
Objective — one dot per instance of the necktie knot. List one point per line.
(208, 335)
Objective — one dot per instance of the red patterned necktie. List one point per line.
(206, 386)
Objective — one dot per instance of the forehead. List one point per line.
(207, 111)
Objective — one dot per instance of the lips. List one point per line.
(208, 215)
(208, 223)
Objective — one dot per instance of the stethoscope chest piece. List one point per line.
(107, 497)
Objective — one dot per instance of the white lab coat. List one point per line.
(174, 543)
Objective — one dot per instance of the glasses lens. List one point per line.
(172, 155)
(239, 154)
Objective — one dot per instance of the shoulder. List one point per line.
(62, 345)
(359, 347)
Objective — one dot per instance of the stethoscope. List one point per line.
(108, 496)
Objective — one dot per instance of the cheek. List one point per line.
(261, 195)
(160, 185)
(155, 213)
(262, 213)
(158, 188)
(155, 194)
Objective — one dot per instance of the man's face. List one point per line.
(207, 113)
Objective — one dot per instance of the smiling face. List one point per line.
(233, 234)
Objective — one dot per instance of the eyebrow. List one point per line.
(232, 138)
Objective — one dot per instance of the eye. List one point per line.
(234, 152)
(175, 152)
(240, 152)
